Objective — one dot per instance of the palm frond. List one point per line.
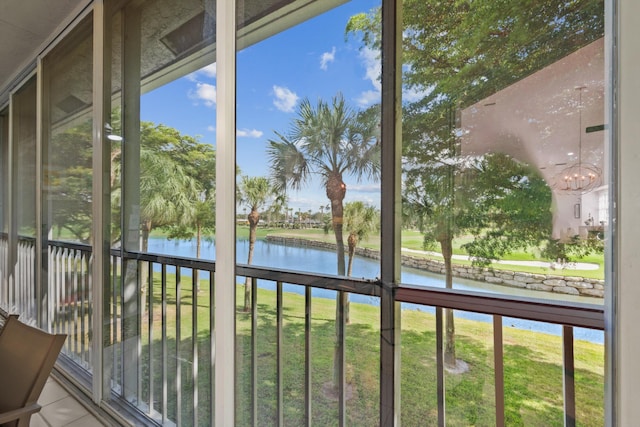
(289, 166)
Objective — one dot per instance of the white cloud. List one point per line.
(210, 71)
(371, 61)
(368, 97)
(327, 57)
(285, 100)
(211, 128)
(413, 95)
(249, 133)
(206, 93)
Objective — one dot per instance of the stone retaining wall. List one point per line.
(571, 285)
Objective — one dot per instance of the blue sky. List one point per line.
(310, 60)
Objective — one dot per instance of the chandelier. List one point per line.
(580, 177)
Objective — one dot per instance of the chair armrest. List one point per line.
(17, 413)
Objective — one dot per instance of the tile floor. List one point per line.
(60, 409)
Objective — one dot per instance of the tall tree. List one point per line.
(167, 194)
(69, 179)
(360, 220)
(467, 50)
(503, 203)
(511, 208)
(198, 161)
(455, 54)
(431, 197)
(254, 193)
(278, 204)
(328, 141)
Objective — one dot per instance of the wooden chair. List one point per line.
(27, 356)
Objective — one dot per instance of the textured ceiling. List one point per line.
(25, 27)
(169, 46)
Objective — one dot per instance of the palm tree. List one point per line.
(278, 204)
(202, 221)
(360, 219)
(329, 141)
(198, 160)
(254, 193)
(167, 198)
(167, 194)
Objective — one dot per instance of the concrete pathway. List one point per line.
(544, 264)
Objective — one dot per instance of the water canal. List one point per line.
(315, 260)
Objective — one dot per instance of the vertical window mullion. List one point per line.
(224, 336)
(101, 197)
(390, 215)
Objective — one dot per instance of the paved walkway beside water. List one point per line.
(551, 265)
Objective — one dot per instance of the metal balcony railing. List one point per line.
(18, 293)
(70, 298)
(291, 344)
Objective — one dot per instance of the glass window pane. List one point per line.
(68, 188)
(69, 144)
(4, 206)
(24, 144)
(22, 290)
(307, 140)
(4, 168)
(504, 157)
(163, 202)
(308, 199)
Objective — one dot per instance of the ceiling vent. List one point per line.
(191, 35)
(71, 104)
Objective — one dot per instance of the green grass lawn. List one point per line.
(532, 365)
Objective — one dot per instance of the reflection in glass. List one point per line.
(67, 185)
(498, 103)
(4, 206)
(22, 291)
(503, 144)
(4, 173)
(68, 169)
(24, 143)
(163, 192)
